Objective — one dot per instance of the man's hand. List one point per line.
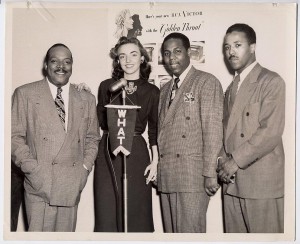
(82, 86)
(211, 185)
(226, 169)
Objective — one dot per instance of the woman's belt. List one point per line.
(105, 132)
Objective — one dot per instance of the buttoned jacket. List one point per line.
(189, 132)
(253, 135)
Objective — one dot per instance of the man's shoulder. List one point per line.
(268, 74)
(207, 78)
(203, 74)
(31, 87)
(85, 95)
(165, 86)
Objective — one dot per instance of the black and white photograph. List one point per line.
(149, 121)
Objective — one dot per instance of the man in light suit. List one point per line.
(55, 137)
(252, 162)
(189, 139)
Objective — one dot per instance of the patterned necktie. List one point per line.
(60, 106)
(174, 88)
(233, 91)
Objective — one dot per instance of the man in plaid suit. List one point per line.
(189, 139)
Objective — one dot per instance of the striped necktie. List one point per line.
(233, 91)
(173, 91)
(60, 106)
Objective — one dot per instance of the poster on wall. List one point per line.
(152, 25)
(90, 31)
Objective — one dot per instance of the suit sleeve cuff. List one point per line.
(27, 166)
(211, 172)
(88, 166)
(242, 162)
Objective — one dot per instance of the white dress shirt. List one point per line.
(65, 97)
(182, 76)
(244, 73)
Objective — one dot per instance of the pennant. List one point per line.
(121, 124)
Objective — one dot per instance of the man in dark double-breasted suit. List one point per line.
(189, 139)
(252, 162)
(55, 138)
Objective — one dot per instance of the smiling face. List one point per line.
(238, 52)
(175, 56)
(130, 59)
(59, 66)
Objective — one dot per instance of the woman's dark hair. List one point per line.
(145, 67)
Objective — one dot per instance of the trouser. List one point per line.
(253, 215)
(184, 212)
(43, 217)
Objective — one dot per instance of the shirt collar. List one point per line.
(183, 75)
(53, 89)
(246, 71)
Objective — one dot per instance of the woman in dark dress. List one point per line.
(130, 61)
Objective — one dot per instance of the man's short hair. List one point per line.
(176, 35)
(56, 45)
(248, 30)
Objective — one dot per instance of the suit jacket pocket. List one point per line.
(34, 180)
(67, 184)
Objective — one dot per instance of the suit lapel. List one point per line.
(226, 106)
(165, 99)
(178, 100)
(75, 113)
(242, 99)
(46, 108)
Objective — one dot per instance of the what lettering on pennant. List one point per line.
(121, 132)
(121, 138)
(121, 122)
(122, 113)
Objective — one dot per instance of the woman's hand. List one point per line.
(82, 86)
(152, 169)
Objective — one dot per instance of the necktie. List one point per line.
(174, 88)
(60, 106)
(233, 91)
